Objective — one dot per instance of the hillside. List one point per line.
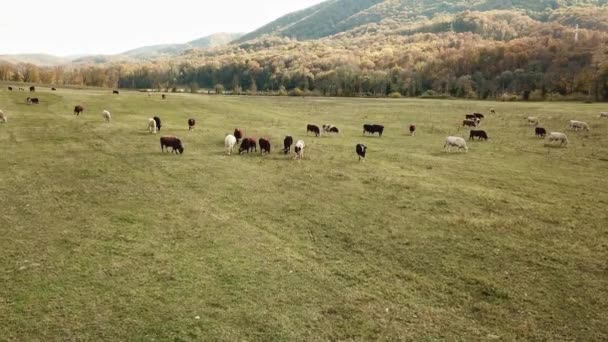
(37, 59)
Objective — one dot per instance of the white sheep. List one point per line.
(106, 115)
(533, 120)
(458, 142)
(229, 143)
(299, 150)
(578, 125)
(152, 126)
(3, 117)
(604, 115)
(560, 137)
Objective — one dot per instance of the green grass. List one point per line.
(105, 238)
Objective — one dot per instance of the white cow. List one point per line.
(152, 126)
(3, 117)
(604, 115)
(578, 125)
(299, 150)
(560, 137)
(229, 143)
(457, 142)
(533, 120)
(106, 115)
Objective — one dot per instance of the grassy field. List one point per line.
(105, 238)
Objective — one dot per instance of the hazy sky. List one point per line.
(66, 27)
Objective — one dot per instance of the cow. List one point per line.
(533, 120)
(373, 129)
(492, 110)
(480, 135)
(559, 137)
(334, 130)
(10, 88)
(78, 110)
(470, 117)
(229, 143)
(578, 125)
(540, 132)
(106, 115)
(53, 89)
(327, 127)
(287, 142)
(299, 150)
(115, 92)
(164, 96)
(32, 100)
(479, 116)
(469, 123)
(248, 145)
(158, 122)
(361, 151)
(3, 117)
(191, 124)
(32, 89)
(603, 115)
(173, 142)
(152, 126)
(264, 145)
(238, 134)
(313, 129)
(413, 129)
(457, 142)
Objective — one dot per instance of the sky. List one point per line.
(75, 27)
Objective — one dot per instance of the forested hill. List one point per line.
(336, 16)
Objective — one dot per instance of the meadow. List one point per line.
(103, 237)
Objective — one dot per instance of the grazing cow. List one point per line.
(313, 129)
(413, 129)
(361, 151)
(238, 134)
(560, 137)
(3, 117)
(229, 143)
(373, 129)
(191, 124)
(158, 123)
(164, 96)
(540, 132)
(10, 88)
(480, 135)
(457, 142)
(578, 125)
(152, 126)
(106, 115)
(479, 116)
(53, 89)
(603, 115)
(299, 150)
(533, 120)
(248, 145)
(326, 128)
(470, 117)
(264, 145)
(115, 92)
(32, 89)
(173, 142)
(32, 100)
(78, 110)
(469, 123)
(334, 130)
(492, 111)
(287, 142)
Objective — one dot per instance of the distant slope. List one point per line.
(37, 59)
(154, 51)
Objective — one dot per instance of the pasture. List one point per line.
(105, 238)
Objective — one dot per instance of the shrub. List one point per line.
(395, 95)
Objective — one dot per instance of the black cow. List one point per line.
(287, 143)
(480, 135)
(115, 92)
(479, 116)
(248, 145)
(313, 129)
(373, 129)
(361, 151)
(191, 124)
(469, 123)
(32, 100)
(264, 145)
(173, 142)
(238, 134)
(78, 110)
(541, 132)
(32, 89)
(413, 129)
(334, 129)
(164, 96)
(10, 88)
(53, 89)
(470, 117)
(158, 122)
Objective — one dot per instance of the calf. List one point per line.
(78, 110)
(238, 134)
(173, 142)
(373, 129)
(53, 89)
(361, 150)
(540, 132)
(32, 89)
(413, 129)
(264, 145)
(10, 88)
(229, 143)
(115, 92)
(313, 129)
(287, 142)
(164, 96)
(334, 130)
(469, 123)
(248, 145)
(32, 100)
(493, 111)
(158, 122)
(480, 135)
(299, 150)
(191, 124)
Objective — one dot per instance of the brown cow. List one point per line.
(78, 110)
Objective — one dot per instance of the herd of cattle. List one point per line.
(249, 144)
